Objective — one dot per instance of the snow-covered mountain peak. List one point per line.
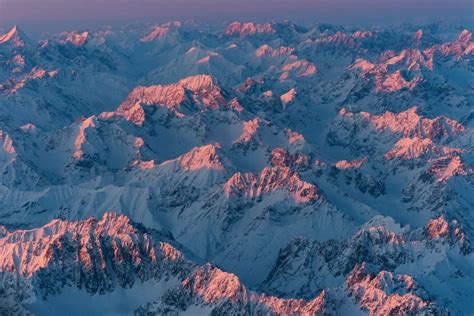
(284, 159)
(299, 68)
(411, 148)
(249, 131)
(161, 31)
(89, 122)
(267, 50)
(204, 157)
(7, 143)
(213, 285)
(461, 48)
(440, 228)
(387, 293)
(418, 36)
(29, 251)
(437, 227)
(157, 32)
(448, 166)
(248, 28)
(288, 97)
(274, 179)
(74, 38)
(409, 123)
(15, 36)
(205, 94)
(199, 83)
(344, 164)
(465, 37)
(385, 222)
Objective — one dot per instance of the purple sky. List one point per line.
(50, 15)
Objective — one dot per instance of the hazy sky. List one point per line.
(50, 15)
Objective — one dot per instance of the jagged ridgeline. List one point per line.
(250, 169)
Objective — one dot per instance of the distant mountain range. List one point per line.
(250, 169)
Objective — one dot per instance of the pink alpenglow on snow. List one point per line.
(266, 50)
(7, 143)
(293, 136)
(204, 95)
(288, 97)
(205, 157)
(81, 136)
(249, 130)
(14, 37)
(344, 164)
(409, 123)
(76, 39)
(281, 177)
(248, 28)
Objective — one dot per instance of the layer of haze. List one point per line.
(55, 15)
